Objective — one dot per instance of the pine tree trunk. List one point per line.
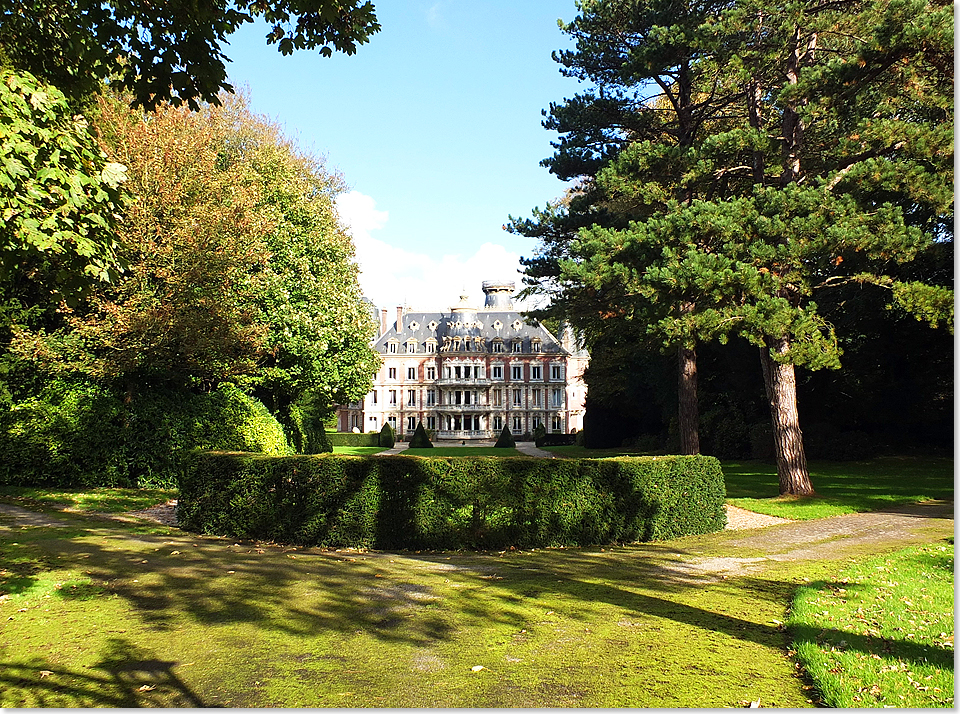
(689, 411)
(780, 383)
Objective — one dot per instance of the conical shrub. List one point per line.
(506, 440)
(420, 439)
(387, 437)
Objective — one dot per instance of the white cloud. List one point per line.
(391, 276)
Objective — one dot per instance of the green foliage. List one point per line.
(446, 503)
(505, 440)
(420, 440)
(170, 51)
(387, 437)
(345, 438)
(60, 198)
(82, 434)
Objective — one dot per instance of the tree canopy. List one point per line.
(741, 160)
(165, 51)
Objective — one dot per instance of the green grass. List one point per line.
(881, 632)
(461, 451)
(841, 486)
(92, 500)
(109, 614)
(358, 450)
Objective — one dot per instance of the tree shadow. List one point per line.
(125, 677)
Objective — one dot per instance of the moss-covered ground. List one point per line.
(97, 612)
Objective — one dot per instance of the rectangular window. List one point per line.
(497, 347)
(411, 372)
(557, 424)
(534, 346)
(411, 347)
(411, 397)
(518, 346)
(355, 420)
(497, 372)
(556, 397)
(498, 423)
(516, 373)
(536, 372)
(411, 423)
(393, 422)
(431, 422)
(535, 394)
(517, 425)
(555, 372)
(393, 397)
(497, 397)
(431, 397)
(431, 347)
(536, 422)
(517, 397)
(374, 394)
(392, 373)
(431, 372)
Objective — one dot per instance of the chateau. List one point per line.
(468, 372)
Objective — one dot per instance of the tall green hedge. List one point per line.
(409, 502)
(345, 438)
(82, 434)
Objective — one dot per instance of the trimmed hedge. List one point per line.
(412, 502)
(346, 438)
(556, 440)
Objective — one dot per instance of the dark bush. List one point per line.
(505, 440)
(387, 437)
(409, 502)
(556, 440)
(419, 440)
(345, 438)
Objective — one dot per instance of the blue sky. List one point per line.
(435, 125)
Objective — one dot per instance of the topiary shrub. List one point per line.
(505, 440)
(387, 437)
(413, 502)
(420, 440)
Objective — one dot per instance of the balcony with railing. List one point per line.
(463, 408)
(463, 382)
(460, 435)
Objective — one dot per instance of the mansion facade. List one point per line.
(469, 372)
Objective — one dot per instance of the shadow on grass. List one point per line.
(845, 640)
(125, 677)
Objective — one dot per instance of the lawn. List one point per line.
(880, 633)
(841, 486)
(358, 450)
(105, 613)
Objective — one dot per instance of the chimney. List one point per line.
(399, 318)
(383, 321)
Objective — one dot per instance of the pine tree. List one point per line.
(829, 161)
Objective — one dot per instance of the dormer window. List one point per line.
(431, 346)
(414, 326)
(497, 325)
(518, 346)
(432, 326)
(497, 345)
(392, 347)
(412, 346)
(517, 324)
(535, 345)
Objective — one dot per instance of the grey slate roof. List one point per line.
(416, 325)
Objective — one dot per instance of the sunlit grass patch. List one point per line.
(90, 500)
(358, 450)
(841, 486)
(881, 633)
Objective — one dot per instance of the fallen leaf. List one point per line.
(45, 673)
(147, 688)
(477, 668)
